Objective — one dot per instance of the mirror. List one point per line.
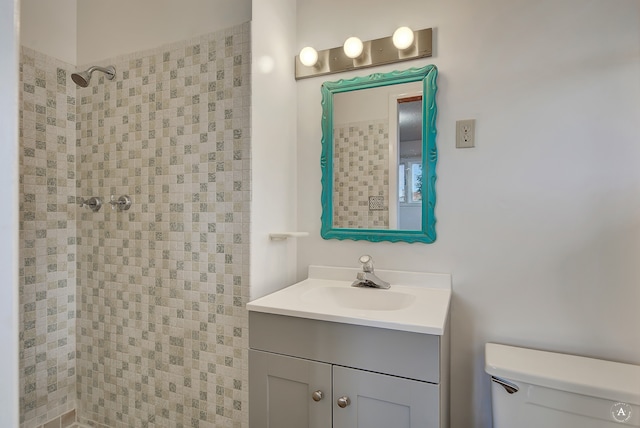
(379, 157)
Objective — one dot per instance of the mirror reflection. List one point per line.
(377, 148)
(377, 176)
(409, 165)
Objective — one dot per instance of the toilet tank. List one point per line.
(534, 389)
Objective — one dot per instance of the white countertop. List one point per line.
(416, 302)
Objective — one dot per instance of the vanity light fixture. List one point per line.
(403, 45)
(353, 47)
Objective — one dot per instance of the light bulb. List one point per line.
(308, 56)
(353, 47)
(403, 38)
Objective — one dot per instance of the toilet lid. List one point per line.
(580, 375)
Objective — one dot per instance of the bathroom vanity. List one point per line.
(325, 354)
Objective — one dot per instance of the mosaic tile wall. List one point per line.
(159, 334)
(361, 170)
(48, 248)
(162, 326)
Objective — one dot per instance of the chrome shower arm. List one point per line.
(109, 71)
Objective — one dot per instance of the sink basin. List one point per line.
(359, 298)
(416, 301)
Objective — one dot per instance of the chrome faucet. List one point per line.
(367, 278)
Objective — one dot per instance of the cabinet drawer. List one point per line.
(399, 353)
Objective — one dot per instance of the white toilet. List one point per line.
(537, 389)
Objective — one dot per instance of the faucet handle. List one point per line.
(367, 263)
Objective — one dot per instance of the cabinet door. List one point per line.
(381, 401)
(281, 392)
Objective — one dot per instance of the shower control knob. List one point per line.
(123, 203)
(93, 203)
(343, 402)
(317, 395)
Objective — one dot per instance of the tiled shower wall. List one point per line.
(161, 336)
(162, 325)
(361, 170)
(47, 289)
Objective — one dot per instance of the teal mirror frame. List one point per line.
(427, 233)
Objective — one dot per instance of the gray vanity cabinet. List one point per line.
(307, 373)
(382, 401)
(288, 392)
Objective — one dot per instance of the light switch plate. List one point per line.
(465, 134)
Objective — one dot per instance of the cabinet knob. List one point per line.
(317, 395)
(343, 402)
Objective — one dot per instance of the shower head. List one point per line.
(82, 78)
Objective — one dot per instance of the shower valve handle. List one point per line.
(93, 203)
(123, 203)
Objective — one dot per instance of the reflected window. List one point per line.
(410, 181)
(402, 183)
(416, 182)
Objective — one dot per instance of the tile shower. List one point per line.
(362, 173)
(137, 318)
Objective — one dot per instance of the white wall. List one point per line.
(273, 145)
(375, 102)
(49, 27)
(540, 223)
(9, 83)
(91, 30)
(115, 27)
